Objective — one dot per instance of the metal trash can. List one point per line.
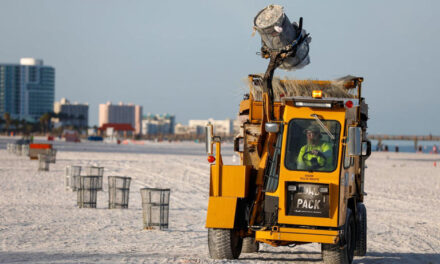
(118, 192)
(155, 207)
(88, 191)
(71, 180)
(95, 171)
(43, 164)
(277, 32)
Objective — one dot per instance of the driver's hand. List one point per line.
(315, 152)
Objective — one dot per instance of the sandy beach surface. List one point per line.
(41, 223)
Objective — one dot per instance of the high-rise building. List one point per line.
(158, 124)
(71, 114)
(27, 90)
(121, 114)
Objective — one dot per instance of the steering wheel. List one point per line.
(314, 160)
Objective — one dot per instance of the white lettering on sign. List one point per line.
(308, 204)
(311, 191)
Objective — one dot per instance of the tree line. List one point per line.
(43, 125)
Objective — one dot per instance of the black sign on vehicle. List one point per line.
(304, 199)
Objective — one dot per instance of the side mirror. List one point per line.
(238, 144)
(354, 141)
(272, 127)
(366, 148)
(208, 139)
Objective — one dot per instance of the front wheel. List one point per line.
(224, 243)
(334, 253)
(361, 231)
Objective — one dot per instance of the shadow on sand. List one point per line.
(261, 257)
(371, 257)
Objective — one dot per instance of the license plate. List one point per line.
(306, 200)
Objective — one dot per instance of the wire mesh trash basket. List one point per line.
(155, 207)
(95, 171)
(25, 150)
(71, 181)
(18, 149)
(43, 164)
(88, 191)
(9, 147)
(52, 154)
(118, 191)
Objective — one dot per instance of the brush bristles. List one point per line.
(333, 88)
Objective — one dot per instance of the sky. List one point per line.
(190, 58)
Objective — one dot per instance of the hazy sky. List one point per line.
(190, 58)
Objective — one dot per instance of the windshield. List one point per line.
(310, 146)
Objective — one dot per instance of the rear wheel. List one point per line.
(334, 253)
(250, 245)
(361, 231)
(224, 243)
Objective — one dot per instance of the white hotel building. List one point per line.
(121, 114)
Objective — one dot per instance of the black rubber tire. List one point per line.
(250, 245)
(333, 253)
(361, 231)
(224, 243)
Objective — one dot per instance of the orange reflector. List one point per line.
(211, 159)
(317, 94)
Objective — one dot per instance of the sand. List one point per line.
(40, 222)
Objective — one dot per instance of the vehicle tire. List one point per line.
(361, 231)
(333, 253)
(224, 243)
(250, 245)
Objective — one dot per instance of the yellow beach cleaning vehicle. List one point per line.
(283, 194)
(303, 146)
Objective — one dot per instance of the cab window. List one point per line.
(310, 147)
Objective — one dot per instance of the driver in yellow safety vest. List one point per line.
(315, 155)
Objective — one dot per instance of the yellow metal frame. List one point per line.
(256, 111)
(331, 178)
(221, 212)
(297, 235)
(227, 184)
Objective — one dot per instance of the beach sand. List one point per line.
(40, 222)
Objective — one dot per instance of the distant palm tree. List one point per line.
(45, 121)
(16, 124)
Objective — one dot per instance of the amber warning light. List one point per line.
(317, 94)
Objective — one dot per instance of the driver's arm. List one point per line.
(326, 150)
(328, 154)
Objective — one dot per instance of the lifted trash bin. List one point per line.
(88, 191)
(155, 207)
(118, 191)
